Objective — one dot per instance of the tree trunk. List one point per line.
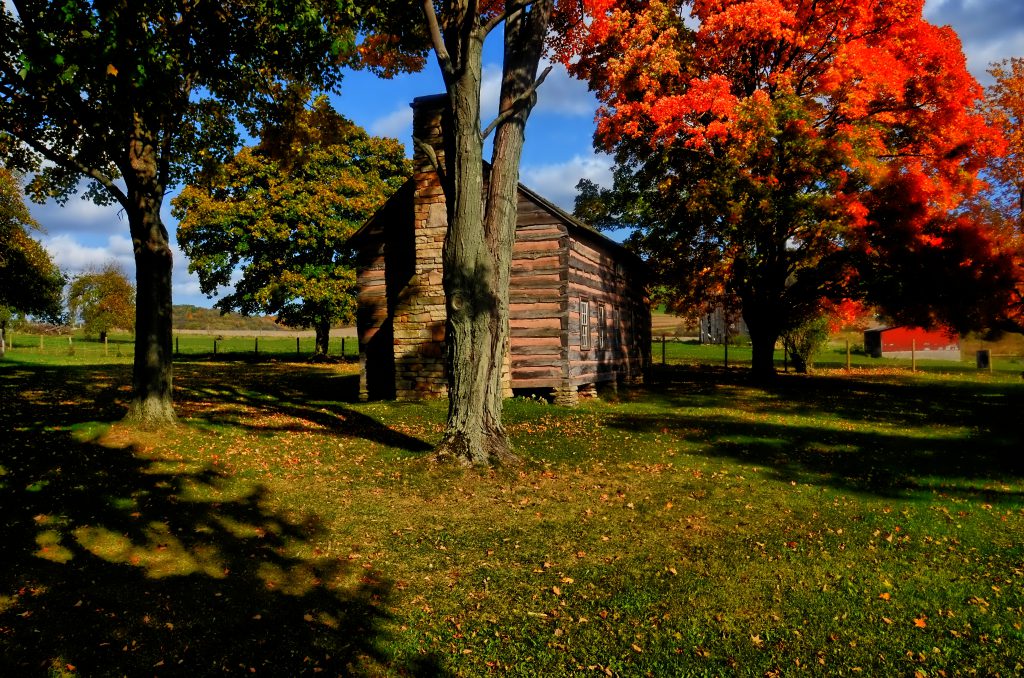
(762, 363)
(477, 251)
(323, 339)
(764, 327)
(151, 405)
(103, 336)
(469, 277)
(3, 338)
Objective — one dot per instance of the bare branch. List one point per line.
(443, 58)
(431, 154)
(516, 105)
(501, 18)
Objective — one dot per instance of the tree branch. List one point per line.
(514, 108)
(443, 58)
(431, 154)
(71, 163)
(501, 18)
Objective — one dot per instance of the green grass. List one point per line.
(864, 524)
(832, 357)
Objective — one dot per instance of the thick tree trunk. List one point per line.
(470, 437)
(151, 405)
(323, 339)
(762, 362)
(478, 246)
(765, 329)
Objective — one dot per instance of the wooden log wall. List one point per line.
(618, 349)
(537, 298)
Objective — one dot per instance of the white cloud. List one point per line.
(562, 94)
(557, 181)
(396, 124)
(80, 215)
(990, 30)
(73, 257)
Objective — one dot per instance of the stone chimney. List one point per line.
(419, 317)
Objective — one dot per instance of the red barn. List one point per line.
(900, 342)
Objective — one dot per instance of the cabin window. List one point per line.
(601, 328)
(584, 324)
(616, 330)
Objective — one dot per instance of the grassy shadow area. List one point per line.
(117, 563)
(704, 524)
(886, 436)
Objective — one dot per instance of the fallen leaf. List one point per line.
(636, 648)
(921, 622)
(884, 595)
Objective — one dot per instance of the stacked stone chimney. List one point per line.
(419, 317)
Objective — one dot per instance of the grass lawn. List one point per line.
(866, 524)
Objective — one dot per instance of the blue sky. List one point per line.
(558, 149)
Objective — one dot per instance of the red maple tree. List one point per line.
(756, 135)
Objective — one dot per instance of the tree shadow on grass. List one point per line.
(300, 397)
(114, 565)
(881, 436)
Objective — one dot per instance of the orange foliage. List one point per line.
(884, 86)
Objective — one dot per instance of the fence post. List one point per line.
(847, 355)
(176, 351)
(256, 350)
(297, 353)
(726, 350)
(214, 347)
(343, 347)
(106, 351)
(40, 342)
(913, 355)
(663, 349)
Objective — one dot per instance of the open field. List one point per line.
(864, 524)
(1007, 357)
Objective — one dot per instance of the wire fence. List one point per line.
(665, 350)
(185, 346)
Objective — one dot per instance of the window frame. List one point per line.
(584, 325)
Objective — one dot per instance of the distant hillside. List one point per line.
(187, 317)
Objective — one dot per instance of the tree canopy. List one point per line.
(103, 300)
(760, 152)
(134, 97)
(1004, 108)
(30, 282)
(279, 214)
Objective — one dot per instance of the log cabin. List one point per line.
(578, 310)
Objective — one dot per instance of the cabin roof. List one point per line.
(576, 227)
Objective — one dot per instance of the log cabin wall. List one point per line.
(538, 298)
(559, 265)
(608, 317)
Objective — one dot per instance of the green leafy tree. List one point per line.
(281, 212)
(29, 280)
(103, 300)
(137, 96)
